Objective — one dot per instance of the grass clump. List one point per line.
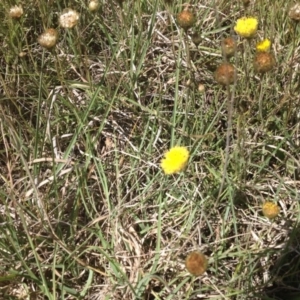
(86, 209)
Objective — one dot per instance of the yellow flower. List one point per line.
(175, 160)
(246, 27)
(263, 46)
(270, 210)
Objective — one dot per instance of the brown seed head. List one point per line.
(48, 39)
(263, 62)
(196, 263)
(225, 74)
(294, 12)
(228, 47)
(16, 12)
(270, 210)
(186, 19)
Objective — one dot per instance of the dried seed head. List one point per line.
(294, 12)
(228, 47)
(225, 74)
(16, 12)
(48, 39)
(94, 5)
(270, 210)
(69, 18)
(186, 19)
(196, 263)
(263, 62)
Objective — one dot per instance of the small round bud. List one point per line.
(201, 88)
(186, 19)
(16, 12)
(69, 18)
(270, 210)
(263, 62)
(94, 5)
(228, 47)
(22, 54)
(196, 38)
(48, 39)
(294, 12)
(225, 74)
(196, 263)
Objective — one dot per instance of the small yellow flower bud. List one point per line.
(270, 210)
(263, 46)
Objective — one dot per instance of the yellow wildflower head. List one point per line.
(175, 160)
(270, 210)
(263, 46)
(246, 27)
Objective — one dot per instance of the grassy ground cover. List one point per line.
(86, 211)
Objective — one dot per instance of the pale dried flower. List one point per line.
(94, 5)
(294, 12)
(69, 18)
(16, 12)
(48, 39)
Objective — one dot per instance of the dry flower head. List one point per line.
(48, 39)
(228, 46)
(196, 263)
(264, 62)
(186, 19)
(294, 12)
(69, 18)
(16, 12)
(225, 74)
